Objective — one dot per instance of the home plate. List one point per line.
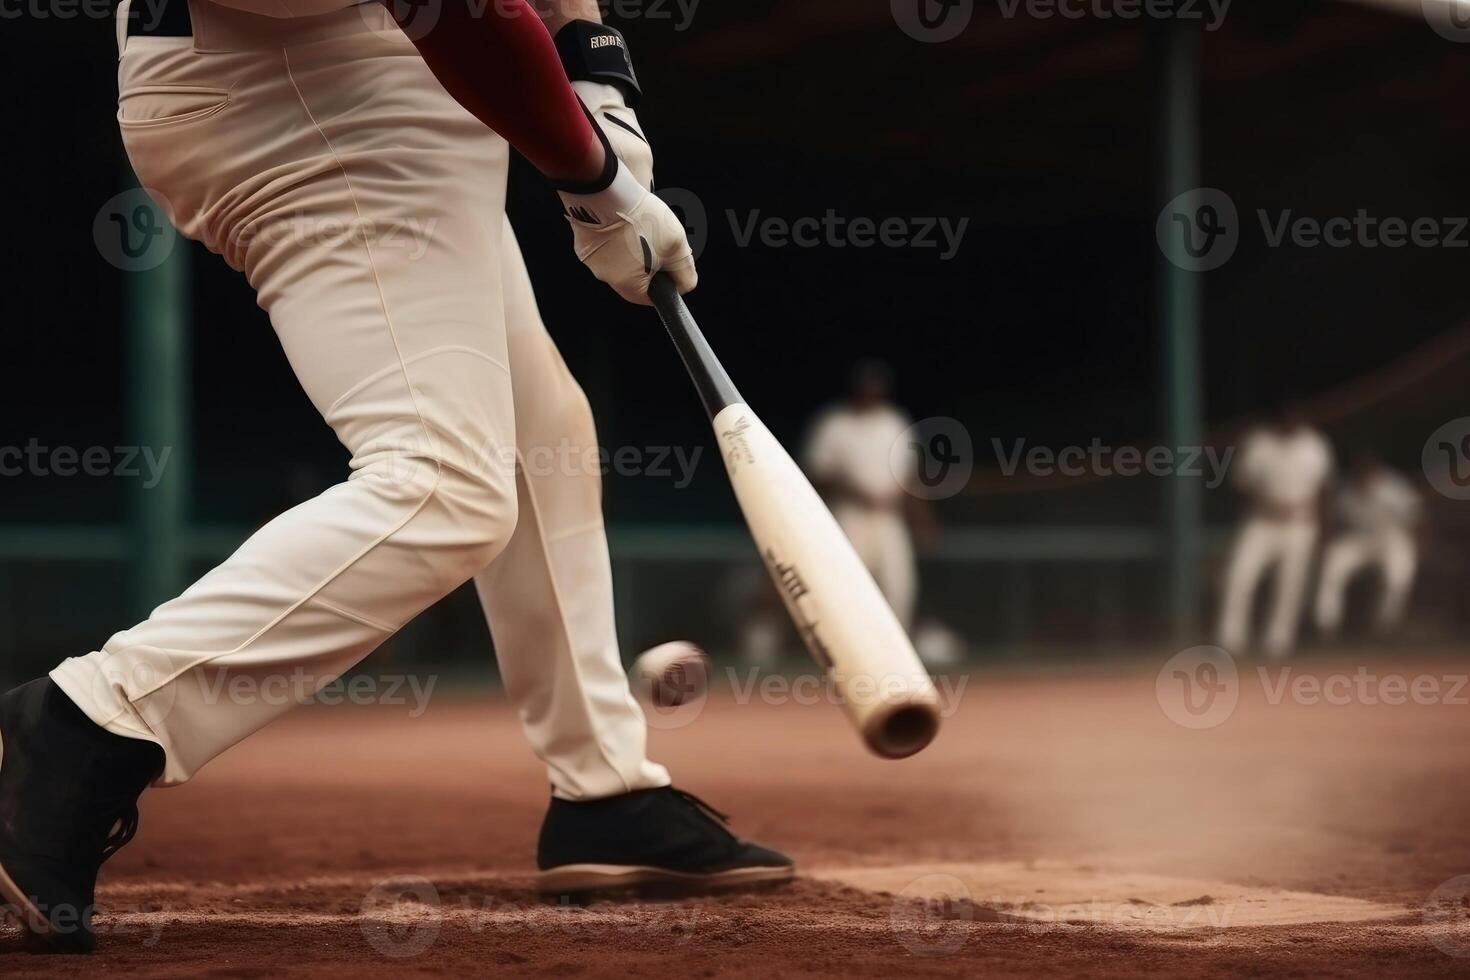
(1061, 892)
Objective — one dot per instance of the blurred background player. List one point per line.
(1380, 513)
(1281, 471)
(858, 461)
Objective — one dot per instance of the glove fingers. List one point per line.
(685, 276)
(643, 236)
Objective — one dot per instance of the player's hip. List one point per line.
(1268, 536)
(252, 141)
(246, 25)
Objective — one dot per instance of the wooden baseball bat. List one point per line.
(848, 626)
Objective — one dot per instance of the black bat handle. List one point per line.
(715, 388)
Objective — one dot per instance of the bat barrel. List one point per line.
(902, 731)
(836, 606)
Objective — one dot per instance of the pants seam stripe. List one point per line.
(571, 650)
(349, 614)
(383, 372)
(413, 398)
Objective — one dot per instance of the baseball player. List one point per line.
(257, 122)
(1282, 470)
(858, 459)
(1380, 513)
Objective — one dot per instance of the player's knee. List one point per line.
(463, 514)
(482, 504)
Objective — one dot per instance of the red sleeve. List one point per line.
(499, 62)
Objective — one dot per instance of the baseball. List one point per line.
(672, 674)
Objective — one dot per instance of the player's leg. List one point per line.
(614, 821)
(299, 180)
(1251, 555)
(1298, 541)
(1400, 560)
(549, 598)
(1341, 561)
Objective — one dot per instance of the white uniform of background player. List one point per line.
(858, 457)
(431, 364)
(1380, 511)
(1282, 470)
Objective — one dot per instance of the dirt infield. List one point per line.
(1062, 825)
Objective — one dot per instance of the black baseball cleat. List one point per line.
(649, 841)
(68, 801)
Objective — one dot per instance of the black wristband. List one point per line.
(592, 52)
(609, 167)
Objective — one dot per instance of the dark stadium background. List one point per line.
(1043, 326)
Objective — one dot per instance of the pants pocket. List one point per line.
(160, 105)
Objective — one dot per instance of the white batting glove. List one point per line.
(620, 125)
(625, 235)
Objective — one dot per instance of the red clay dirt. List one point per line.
(366, 843)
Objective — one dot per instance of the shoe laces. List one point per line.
(714, 816)
(124, 827)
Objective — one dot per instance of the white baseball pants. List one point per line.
(321, 158)
(1391, 550)
(1265, 543)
